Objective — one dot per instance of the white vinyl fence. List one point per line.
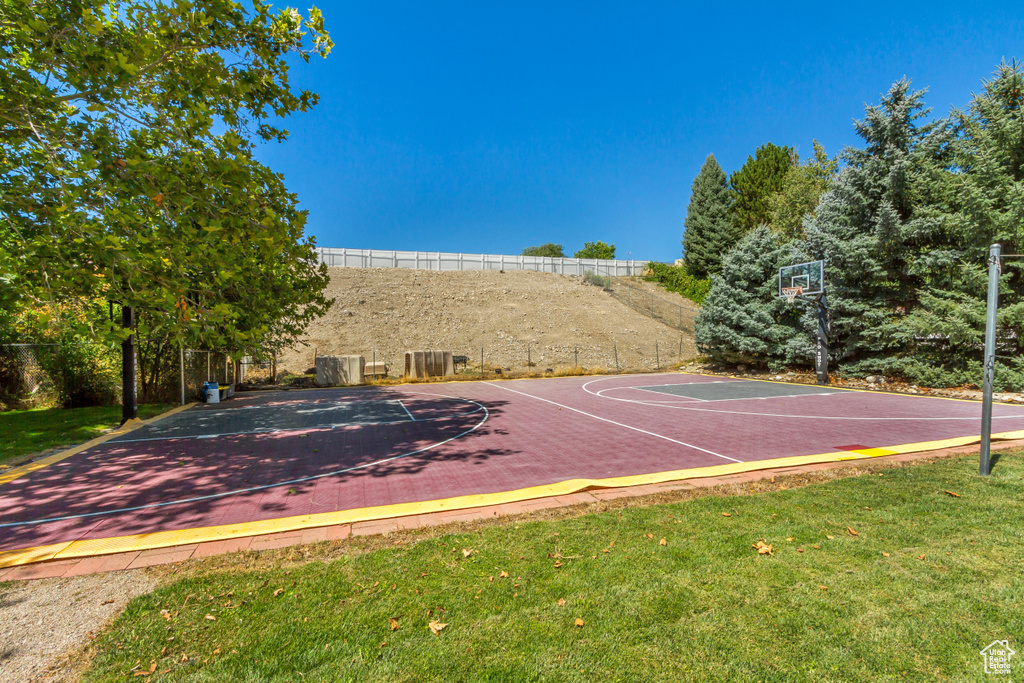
(439, 260)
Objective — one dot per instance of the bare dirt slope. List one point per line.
(394, 310)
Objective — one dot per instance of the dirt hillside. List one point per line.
(397, 309)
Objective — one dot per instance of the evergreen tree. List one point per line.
(710, 231)
(743, 320)
(985, 205)
(802, 187)
(756, 181)
(879, 232)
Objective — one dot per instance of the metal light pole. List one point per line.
(994, 252)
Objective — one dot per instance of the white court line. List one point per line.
(788, 415)
(688, 399)
(618, 424)
(406, 410)
(286, 430)
(722, 400)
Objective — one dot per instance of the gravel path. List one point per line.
(44, 624)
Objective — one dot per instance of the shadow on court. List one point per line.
(185, 478)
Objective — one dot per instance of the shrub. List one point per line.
(676, 279)
(592, 278)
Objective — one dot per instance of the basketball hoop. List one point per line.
(791, 293)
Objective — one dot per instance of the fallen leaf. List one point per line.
(503, 574)
(824, 588)
(217, 651)
(763, 548)
(561, 602)
(885, 554)
(436, 627)
(164, 613)
(152, 668)
(789, 539)
(605, 550)
(393, 623)
(817, 547)
(650, 535)
(106, 602)
(210, 617)
(578, 622)
(726, 514)
(799, 550)
(921, 557)
(278, 592)
(558, 564)
(663, 542)
(852, 531)
(831, 538)
(955, 495)
(466, 552)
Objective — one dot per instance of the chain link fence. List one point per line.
(640, 300)
(200, 366)
(49, 374)
(506, 356)
(24, 381)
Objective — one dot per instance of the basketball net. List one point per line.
(791, 293)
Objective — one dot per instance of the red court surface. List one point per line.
(286, 455)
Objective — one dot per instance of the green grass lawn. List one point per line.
(877, 577)
(31, 431)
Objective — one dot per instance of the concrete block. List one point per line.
(374, 370)
(338, 370)
(429, 364)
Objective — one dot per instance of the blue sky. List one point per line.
(480, 127)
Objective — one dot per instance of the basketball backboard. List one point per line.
(809, 277)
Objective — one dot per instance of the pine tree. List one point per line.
(710, 231)
(879, 231)
(743, 320)
(985, 205)
(757, 180)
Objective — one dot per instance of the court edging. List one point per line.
(126, 428)
(163, 539)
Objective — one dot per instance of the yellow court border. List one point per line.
(163, 539)
(130, 426)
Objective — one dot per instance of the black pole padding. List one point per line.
(129, 405)
(821, 353)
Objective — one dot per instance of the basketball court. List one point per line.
(277, 461)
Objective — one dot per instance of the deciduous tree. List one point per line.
(596, 250)
(549, 250)
(129, 174)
